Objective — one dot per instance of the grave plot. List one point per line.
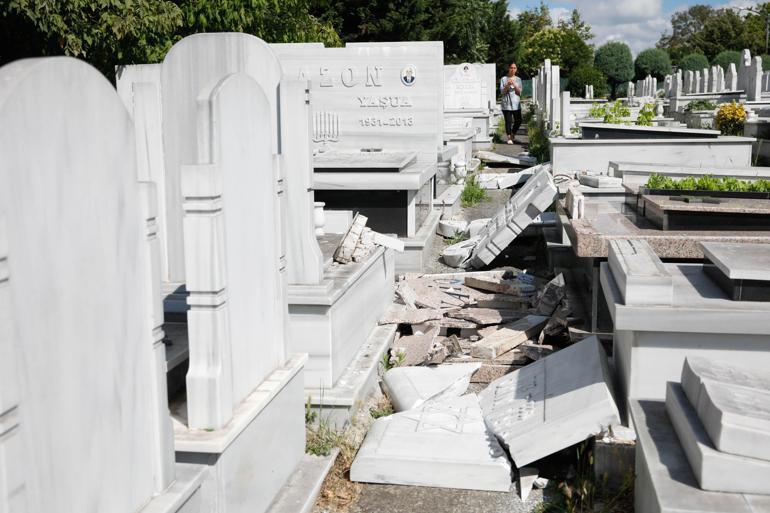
(703, 449)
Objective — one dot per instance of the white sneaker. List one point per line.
(509, 142)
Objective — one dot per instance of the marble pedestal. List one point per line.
(652, 341)
(254, 454)
(480, 124)
(664, 481)
(331, 321)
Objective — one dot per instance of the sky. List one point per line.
(637, 22)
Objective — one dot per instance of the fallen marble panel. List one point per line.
(504, 301)
(715, 470)
(639, 273)
(664, 481)
(408, 316)
(600, 181)
(532, 199)
(553, 403)
(740, 261)
(508, 337)
(500, 285)
(411, 387)
(733, 403)
(441, 444)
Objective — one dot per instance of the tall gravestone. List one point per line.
(87, 385)
(754, 83)
(181, 80)
(743, 71)
(731, 80)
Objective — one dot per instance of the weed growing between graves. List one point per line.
(580, 493)
(383, 408)
(392, 358)
(499, 135)
(539, 145)
(454, 239)
(320, 437)
(472, 193)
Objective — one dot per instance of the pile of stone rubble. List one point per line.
(486, 328)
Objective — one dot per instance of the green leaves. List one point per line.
(615, 61)
(646, 113)
(707, 183)
(654, 62)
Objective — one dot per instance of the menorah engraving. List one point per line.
(326, 127)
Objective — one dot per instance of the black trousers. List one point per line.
(512, 121)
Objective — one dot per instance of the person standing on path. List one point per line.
(510, 102)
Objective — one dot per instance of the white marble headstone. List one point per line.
(235, 271)
(78, 292)
(641, 276)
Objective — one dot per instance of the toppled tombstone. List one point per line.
(552, 403)
(475, 226)
(359, 241)
(554, 291)
(522, 159)
(534, 198)
(410, 387)
(443, 444)
(508, 337)
(600, 181)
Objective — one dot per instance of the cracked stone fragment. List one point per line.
(508, 337)
(410, 387)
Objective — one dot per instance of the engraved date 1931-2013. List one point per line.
(386, 121)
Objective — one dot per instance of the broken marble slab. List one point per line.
(451, 227)
(508, 337)
(485, 316)
(458, 255)
(575, 203)
(552, 294)
(395, 315)
(552, 403)
(500, 285)
(417, 349)
(639, 273)
(502, 301)
(443, 444)
(733, 403)
(532, 199)
(528, 479)
(475, 226)
(410, 387)
(600, 181)
(536, 351)
(664, 480)
(344, 252)
(715, 470)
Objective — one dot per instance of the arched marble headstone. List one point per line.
(234, 271)
(78, 273)
(195, 62)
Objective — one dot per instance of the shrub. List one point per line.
(652, 61)
(700, 105)
(707, 183)
(615, 61)
(587, 75)
(730, 118)
(539, 145)
(765, 62)
(725, 58)
(646, 113)
(693, 62)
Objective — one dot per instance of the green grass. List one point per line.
(499, 135)
(472, 193)
(320, 437)
(459, 237)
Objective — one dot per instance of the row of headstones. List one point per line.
(648, 87)
(82, 381)
(546, 92)
(747, 77)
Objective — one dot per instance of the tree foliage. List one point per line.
(615, 61)
(693, 62)
(563, 47)
(652, 61)
(585, 75)
(726, 57)
(709, 31)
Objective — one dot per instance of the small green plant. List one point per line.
(646, 113)
(597, 111)
(383, 408)
(321, 439)
(392, 358)
(472, 192)
(616, 112)
(310, 415)
(707, 183)
(700, 105)
(458, 237)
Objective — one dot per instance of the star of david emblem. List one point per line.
(442, 418)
